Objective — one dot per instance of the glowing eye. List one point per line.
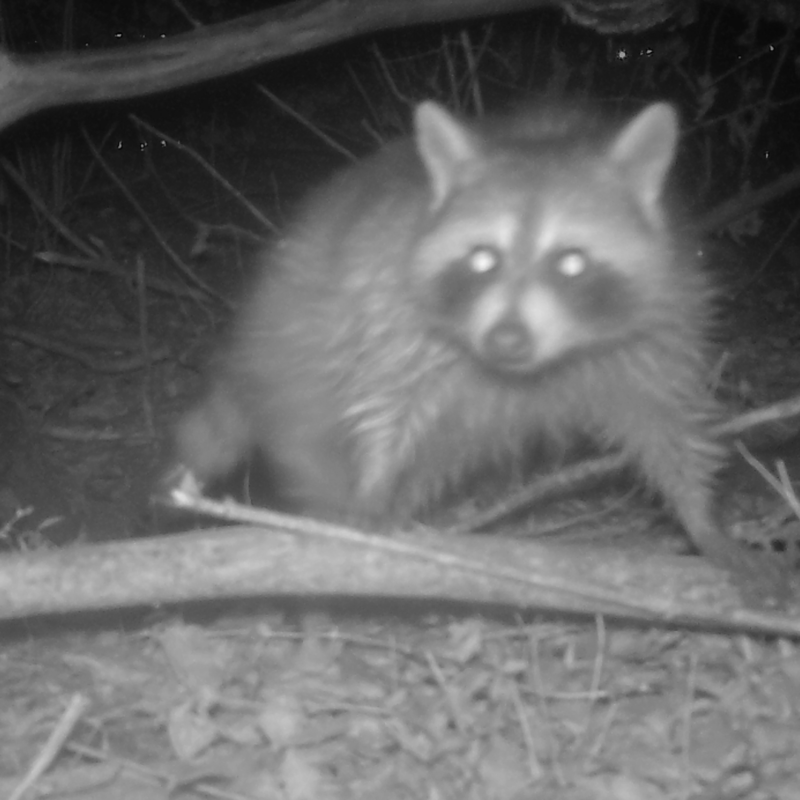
(483, 259)
(572, 264)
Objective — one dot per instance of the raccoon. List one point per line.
(462, 296)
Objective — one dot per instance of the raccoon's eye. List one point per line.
(463, 280)
(483, 259)
(571, 263)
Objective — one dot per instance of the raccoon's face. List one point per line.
(538, 252)
(516, 317)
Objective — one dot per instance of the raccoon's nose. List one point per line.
(509, 342)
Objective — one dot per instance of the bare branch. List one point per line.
(29, 84)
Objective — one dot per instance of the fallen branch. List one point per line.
(31, 83)
(299, 557)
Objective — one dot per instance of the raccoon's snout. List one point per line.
(509, 345)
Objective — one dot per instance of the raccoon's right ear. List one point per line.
(444, 144)
(645, 149)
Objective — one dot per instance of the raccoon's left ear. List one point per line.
(444, 144)
(644, 151)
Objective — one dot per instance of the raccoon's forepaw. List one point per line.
(178, 487)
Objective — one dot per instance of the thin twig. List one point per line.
(39, 204)
(106, 264)
(216, 175)
(320, 134)
(144, 341)
(74, 711)
(183, 268)
(109, 366)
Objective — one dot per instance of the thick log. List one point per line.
(307, 559)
